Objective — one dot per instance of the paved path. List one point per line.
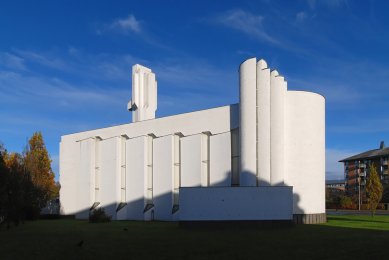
(355, 212)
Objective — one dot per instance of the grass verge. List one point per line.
(343, 237)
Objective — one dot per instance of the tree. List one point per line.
(38, 164)
(16, 196)
(346, 202)
(374, 189)
(26, 182)
(4, 175)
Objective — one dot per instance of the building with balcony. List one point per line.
(356, 168)
(336, 185)
(259, 160)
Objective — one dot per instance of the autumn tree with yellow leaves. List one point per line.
(374, 189)
(26, 182)
(38, 164)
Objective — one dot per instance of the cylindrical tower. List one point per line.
(248, 119)
(305, 148)
(263, 123)
(277, 132)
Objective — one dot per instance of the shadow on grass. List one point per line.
(60, 239)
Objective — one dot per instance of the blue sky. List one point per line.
(65, 66)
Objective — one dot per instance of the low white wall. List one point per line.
(237, 203)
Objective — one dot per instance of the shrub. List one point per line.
(99, 216)
(346, 202)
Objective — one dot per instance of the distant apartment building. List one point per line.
(356, 168)
(336, 185)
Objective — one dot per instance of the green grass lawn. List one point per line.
(343, 237)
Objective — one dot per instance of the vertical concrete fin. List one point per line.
(263, 123)
(277, 138)
(248, 119)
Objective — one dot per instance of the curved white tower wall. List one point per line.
(248, 119)
(306, 151)
(277, 132)
(263, 123)
(285, 174)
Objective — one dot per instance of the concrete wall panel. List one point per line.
(220, 160)
(191, 161)
(136, 175)
(85, 178)
(163, 177)
(110, 175)
(68, 168)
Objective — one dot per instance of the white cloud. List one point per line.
(22, 89)
(122, 25)
(41, 58)
(84, 82)
(75, 62)
(194, 74)
(11, 61)
(246, 22)
(333, 91)
(300, 17)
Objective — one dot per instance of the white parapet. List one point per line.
(306, 151)
(248, 119)
(277, 132)
(144, 94)
(263, 123)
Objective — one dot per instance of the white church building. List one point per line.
(260, 160)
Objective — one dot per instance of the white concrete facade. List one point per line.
(268, 150)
